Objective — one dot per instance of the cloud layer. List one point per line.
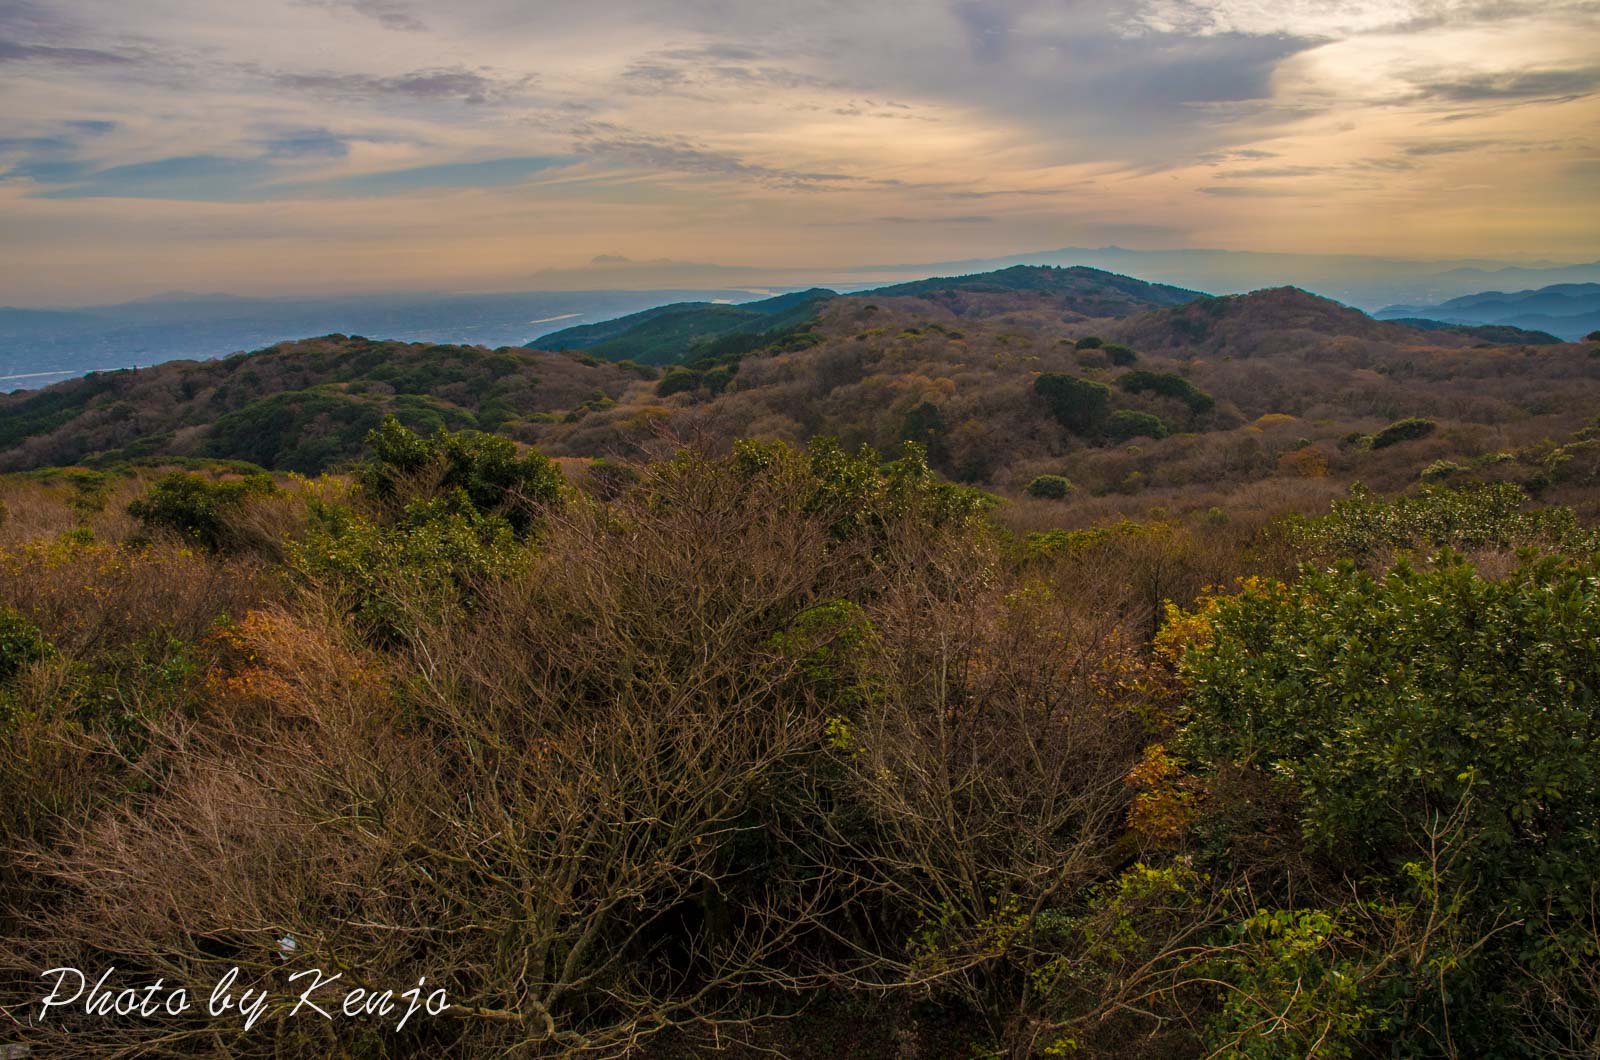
(292, 145)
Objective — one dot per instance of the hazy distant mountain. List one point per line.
(1494, 334)
(38, 347)
(1569, 310)
(1362, 281)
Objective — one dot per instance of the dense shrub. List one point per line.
(1440, 470)
(303, 430)
(1393, 705)
(1079, 405)
(1090, 342)
(1485, 517)
(424, 561)
(1167, 384)
(678, 381)
(1120, 355)
(196, 506)
(924, 424)
(1128, 423)
(469, 472)
(1403, 431)
(21, 643)
(1049, 487)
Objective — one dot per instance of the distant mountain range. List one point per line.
(1363, 281)
(951, 362)
(1567, 310)
(41, 346)
(678, 332)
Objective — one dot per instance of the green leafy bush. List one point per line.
(1079, 405)
(1492, 516)
(196, 506)
(393, 575)
(858, 494)
(1440, 470)
(1405, 430)
(475, 473)
(717, 379)
(678, 381)
(1167, 384)
(1129, 423)
(1121, 355)
(1389, 705)
(21, 643)
(1090, 342)
(1050, 487)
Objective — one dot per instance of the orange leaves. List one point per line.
(270, 657)
(1308, 462)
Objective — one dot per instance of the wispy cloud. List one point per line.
(449, 84)
(389, 14)
(244, 138)
(17, 52)
(1517, 85)
(1246, 191)
(680, 155)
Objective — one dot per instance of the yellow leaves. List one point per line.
(1163, 805)
(277, 659)
(841, 735)
(1182, 630)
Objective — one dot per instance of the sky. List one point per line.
(324, 146)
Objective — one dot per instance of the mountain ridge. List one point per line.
(1569, 310)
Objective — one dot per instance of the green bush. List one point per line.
(195, 506)
(924, 424)
(1120, 355)
(481, 474)
(858, 493)
(1492, 516)
(1167, 384)
(1390, 704)
(21, 643)
(1128, 423)
(1440, 470)
(717, 379)
(1405, 430)
(300, 430)
(391, 575)
(678, 381)
(1050, 487)
(1090, 342)
(1078, 404)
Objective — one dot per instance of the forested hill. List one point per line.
(1076, 290)
(684, 330)
(297, 406)
(674, 332)
(1000, 386)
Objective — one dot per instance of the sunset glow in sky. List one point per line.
(299, 146)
